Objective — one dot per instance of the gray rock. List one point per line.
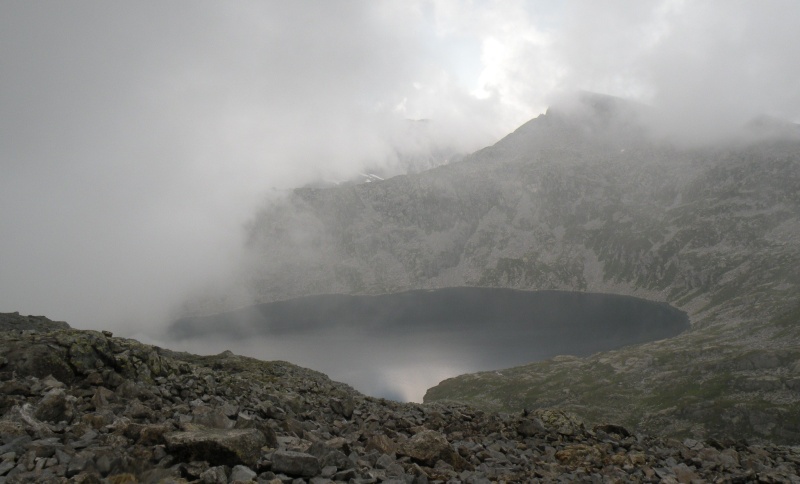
(242, 473)
(211, 417)
(395, 470)
(102, 396)
(428, 447)
(6, 466)
(50, 382)
(343, 407)
(138, 410)
(320, 480)
(44, 447)
(104, 463)
(384, 461)
(564, 423)
(76, 466)
(22, 417)
(218, 447)
(531, 427)
(345, 475)
(329, 457)
(54, 407)
(328, 471)
(16, 322)
(151, 434)
(159, 452)
(336, 458)
(229, 409)
(251, 423)
(14, 443)
(94, 378)
(63, 457)
(380, 443)
(15, 387)
(86, 440)
(295, 463)
(214, 475)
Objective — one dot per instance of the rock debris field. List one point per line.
(85, 406)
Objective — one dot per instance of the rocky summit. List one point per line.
(85, 406)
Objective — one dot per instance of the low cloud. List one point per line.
(708, 67)
(138, 139)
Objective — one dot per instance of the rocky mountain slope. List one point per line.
(85, 406)
(582, 198)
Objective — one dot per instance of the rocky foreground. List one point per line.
(84, 406)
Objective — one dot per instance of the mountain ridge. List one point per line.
(583, 204)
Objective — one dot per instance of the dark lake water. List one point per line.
(398, 345)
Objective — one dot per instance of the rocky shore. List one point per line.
(85, 406)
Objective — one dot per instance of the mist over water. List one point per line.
(399, 345)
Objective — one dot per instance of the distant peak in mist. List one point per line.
(606, 115)
(581, 117)
(772, 126)
(412, 146)
(594, 104)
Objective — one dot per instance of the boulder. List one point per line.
(214, 475)
(217, 446)
(531, 427)
(428, 447)
(343, 407)
(37, 360)
(295, 463)
(380, 443)
(562, 422)
(211, 417)
(23, 414)
(242, 473)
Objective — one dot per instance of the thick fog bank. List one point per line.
(398, 345)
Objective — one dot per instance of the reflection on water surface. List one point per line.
(398, 345)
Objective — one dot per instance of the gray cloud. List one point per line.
(137, 138)
(708, 66)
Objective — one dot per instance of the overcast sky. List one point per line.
(136, 138)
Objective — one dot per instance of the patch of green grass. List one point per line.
(692, 388)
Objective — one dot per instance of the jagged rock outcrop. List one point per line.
(131, 416)
(10, 321)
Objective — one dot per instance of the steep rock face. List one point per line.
(581, 199)
(551, 206)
